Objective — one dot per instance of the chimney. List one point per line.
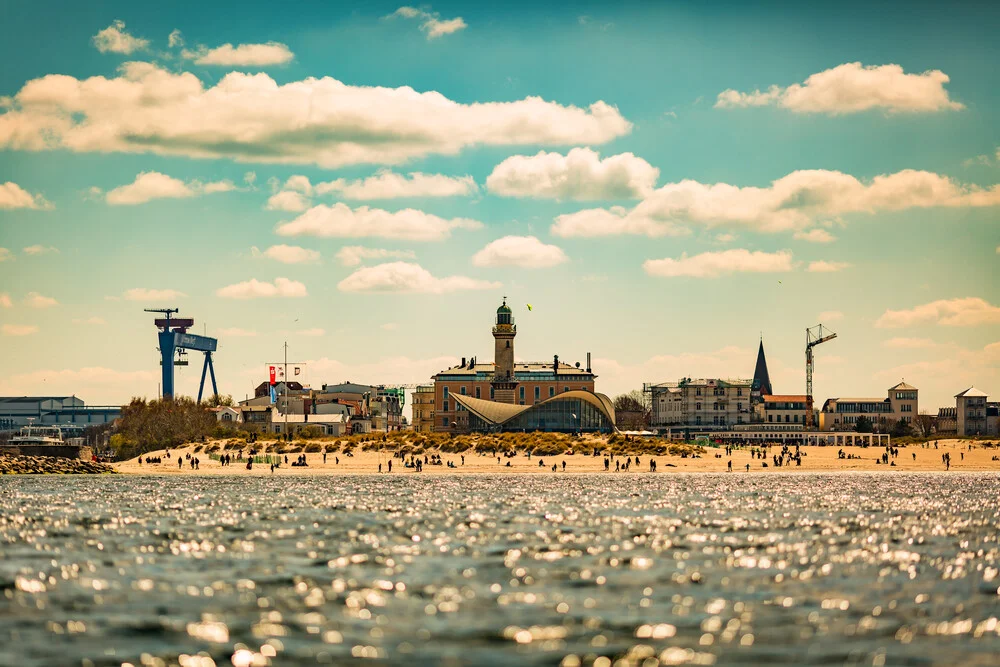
(588, 362)
(463, 362)
(555, 364)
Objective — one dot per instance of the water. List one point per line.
(795, 569)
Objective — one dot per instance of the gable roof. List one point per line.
(971, 392)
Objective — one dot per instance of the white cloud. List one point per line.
(40, 250)
(251, 118)
(114, 39)
(959, 312)
(150, 185)
(908, 343)
(406, 277)
(431, 22)
(341, 221)
(287, 200)
(18, 329)
(6, 254)
(175, 39)
(814, 236)
(386, 184)
(522, 251)
(716, 264)
(581, 174)
(36, 300)
(830, 316)
(823, 266)
(315, 331)
(288, 254)
(145, 294)
(255, 289)
(5, 300)
(791, 203)
(850, 88)
(353, 255)
(244, 55)
(14, 196)
(236, 332)
(92, 321)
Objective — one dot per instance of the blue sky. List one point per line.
(892, 163)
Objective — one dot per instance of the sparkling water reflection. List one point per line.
(479, 570)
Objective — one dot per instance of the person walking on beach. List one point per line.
(380, 468)
(180, 463)
(324, 457)
(390, 466)
(730, 465)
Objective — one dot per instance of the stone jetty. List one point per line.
(50, 465)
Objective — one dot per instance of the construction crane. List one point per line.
(175, 340)
(814, 336)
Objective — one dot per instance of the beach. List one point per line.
(911, 458)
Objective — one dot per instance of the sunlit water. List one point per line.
(890, 569)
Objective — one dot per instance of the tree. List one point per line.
(924, 423)
(901, 429)
(863, 425)
(632, 411)
(220, 400)
(148, 425)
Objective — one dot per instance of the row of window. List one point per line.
(719, 391)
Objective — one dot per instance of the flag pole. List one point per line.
(287, 439)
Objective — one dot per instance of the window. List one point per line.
(739, 406)
(445, 405)
(552, 392)
(477, 392)
(697, 392)
(796, 420)
(697, 420)
(538, 393)
(715, 406)
(565, 389)
(697, 406)
(770, 418)
(444, 421)
(463, 390)
(446, 392)
(521, 394)
(739, 392)
(492, 392)
(787, 418)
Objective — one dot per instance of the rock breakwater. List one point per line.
(50, 465)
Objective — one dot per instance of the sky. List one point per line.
(665, 184)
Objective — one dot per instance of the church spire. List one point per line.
(761, 379)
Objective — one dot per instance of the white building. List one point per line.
(841, 414)
(702, 403)
(972, 413)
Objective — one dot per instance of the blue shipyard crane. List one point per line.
(174, 342)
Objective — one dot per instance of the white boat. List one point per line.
(37, 435)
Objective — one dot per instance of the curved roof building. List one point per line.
(568, 412)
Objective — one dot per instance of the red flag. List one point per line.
(271, 369)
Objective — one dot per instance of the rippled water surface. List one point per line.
(478, 570)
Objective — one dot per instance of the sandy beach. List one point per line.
(912, 458)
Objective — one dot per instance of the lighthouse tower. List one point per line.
(504, 382)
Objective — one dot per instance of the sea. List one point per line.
(608, 570)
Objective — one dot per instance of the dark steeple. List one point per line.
(761, 380)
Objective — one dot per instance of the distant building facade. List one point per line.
(972, 416)
(783, 409)
(70, 413)
(568, 412)
(842, 414)
(947, 421)
(700, 403)
(423, 408)
(504, 380)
